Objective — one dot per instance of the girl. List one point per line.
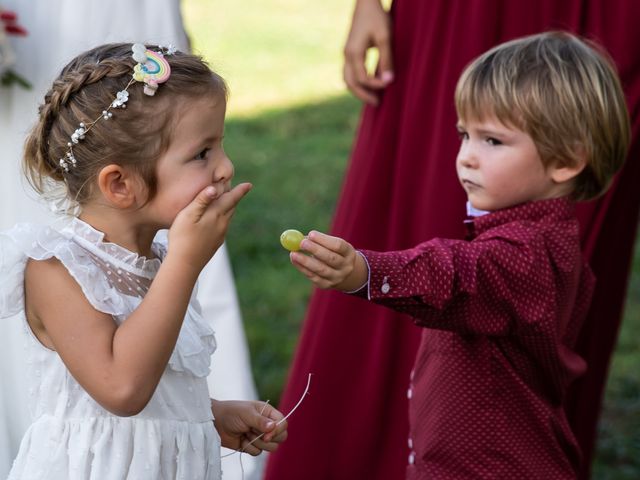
(95, 23)
(136, 142)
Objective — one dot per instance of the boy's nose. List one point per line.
(466, 157)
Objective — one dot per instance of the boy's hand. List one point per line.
(332, 262)
(199, 229)
(240, 422)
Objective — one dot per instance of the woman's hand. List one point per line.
(370, 27)
(240, 422)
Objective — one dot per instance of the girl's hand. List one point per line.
(370, 27)
(240, 422)
(199, 229)
(332, 263)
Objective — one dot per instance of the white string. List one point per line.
(240, 456)
(304, 394)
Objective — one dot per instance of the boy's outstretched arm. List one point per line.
(331, 262)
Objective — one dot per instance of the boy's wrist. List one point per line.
(359, 277)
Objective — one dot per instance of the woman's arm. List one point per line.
(370, 27)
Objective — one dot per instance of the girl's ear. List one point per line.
(120, 186)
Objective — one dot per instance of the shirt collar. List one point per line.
(554, 208)
(475, 212)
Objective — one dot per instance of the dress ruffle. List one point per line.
(114, 448)
(12, 263)
(98, 266)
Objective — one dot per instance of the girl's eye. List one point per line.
(493, 141)
(202, 155)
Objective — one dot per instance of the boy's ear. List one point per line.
(563, 172)
(119, 186)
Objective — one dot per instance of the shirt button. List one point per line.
(410, 443)
(385, 286)
(412, 458)
(409, 393)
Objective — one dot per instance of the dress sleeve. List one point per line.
(489, 286)
(12, 264)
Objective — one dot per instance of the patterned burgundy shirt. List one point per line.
(501, 313)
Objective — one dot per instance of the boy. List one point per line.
(543, 123)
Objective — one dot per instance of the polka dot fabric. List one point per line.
(501, 312)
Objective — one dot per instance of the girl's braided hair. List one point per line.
(135, 137)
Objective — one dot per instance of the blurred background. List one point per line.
(289, 131)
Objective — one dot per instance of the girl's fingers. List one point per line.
(279, 435)
(228, 201)
(201, 203)
(251, 448)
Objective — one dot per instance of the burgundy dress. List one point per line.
(401, 189)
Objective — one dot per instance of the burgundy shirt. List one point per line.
(501, 313)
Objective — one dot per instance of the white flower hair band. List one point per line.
(152, 69)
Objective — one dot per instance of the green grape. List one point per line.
(290, 239)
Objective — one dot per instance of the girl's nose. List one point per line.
(224, 170)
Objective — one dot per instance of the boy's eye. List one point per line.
(462, 135)
(202, 155)
(493, 141)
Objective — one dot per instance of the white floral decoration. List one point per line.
(122, 97)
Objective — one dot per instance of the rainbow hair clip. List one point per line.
(151, 68)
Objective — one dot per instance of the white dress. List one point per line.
(72, 437)
(58, 30)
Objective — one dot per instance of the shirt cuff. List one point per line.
(362, 291)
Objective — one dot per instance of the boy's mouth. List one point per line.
(469, 183)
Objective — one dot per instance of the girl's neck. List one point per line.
(120, 227)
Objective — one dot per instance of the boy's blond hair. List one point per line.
(562, 91)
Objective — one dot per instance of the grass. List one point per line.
(295, 159)
(619, 431)
(272, 52)
(289, 131)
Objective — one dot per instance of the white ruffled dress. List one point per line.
(72, 437)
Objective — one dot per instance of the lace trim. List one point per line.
(92, 240)
(117, 293)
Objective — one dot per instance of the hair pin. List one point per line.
(151, 68)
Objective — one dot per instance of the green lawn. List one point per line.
(289, 132)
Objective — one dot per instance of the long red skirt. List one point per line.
(401, 189)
